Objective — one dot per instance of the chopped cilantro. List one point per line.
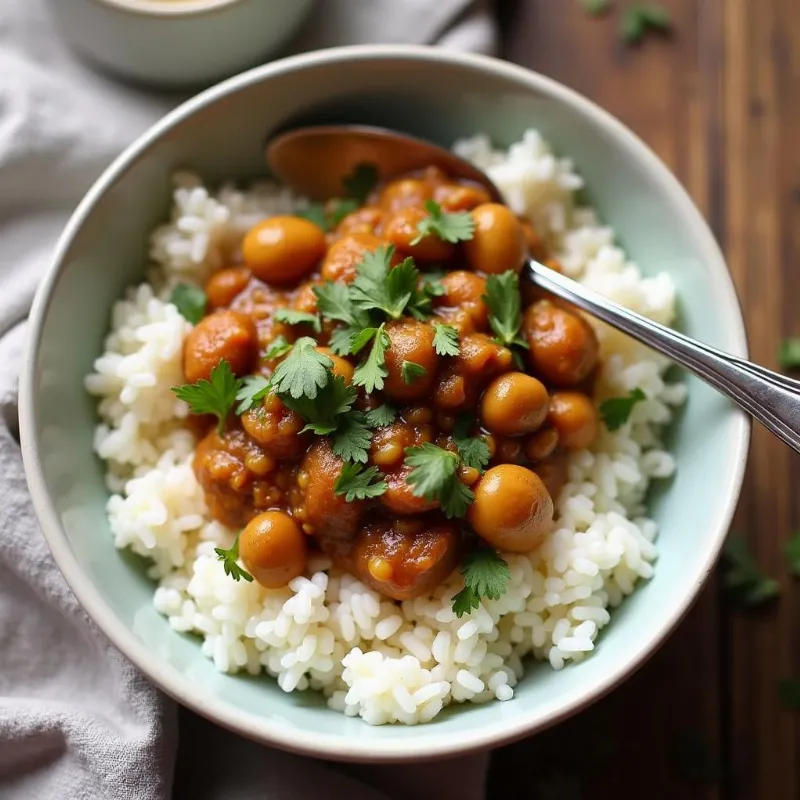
(411, 371)
(278, 348)
(381, 416)
(352, 437)
(315, 213)
(743, 579)
(595, 7)
(615, 411)
(378, 286)
(292, 317)
(230, 559)
(486, 574)
(322, 413)
(303, 372)
(505, 308)
(372, 371)
(341, 340)
(474, 450)
(328, 216)
(357, 483)
(190, 300)
(215, 396)
(254, 389)
(433, 476)
(455, 227)
(638, 20)
(445, 340)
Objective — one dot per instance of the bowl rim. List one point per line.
(424, 746)
(168, 9)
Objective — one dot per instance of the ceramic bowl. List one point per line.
(221, 133)
(177, 43)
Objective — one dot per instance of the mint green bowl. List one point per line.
(221, 133)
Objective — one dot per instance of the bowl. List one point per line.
(221, 133)
(177, 43)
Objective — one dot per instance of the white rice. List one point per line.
(373, 657)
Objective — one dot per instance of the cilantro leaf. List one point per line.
(789, 693)
(230, 558)
(323, 411)
(278, 348)
(486, 574)
(411, 371)
(215, 396)
(474, 450)
(361, 339)
(372, 371)
(445, 340)
(431, 283)
(253, 389)
(356, 483)
(360, 182)
(505, 308)
(456, 227)
(292, 317)
(303, 372)
(315, 213)
(352, 438)
(378, 286)
(334, 303)
(792, 551)
(328, 215)
(789, 355)
(341, 340)
(190, 300)
(638, 20)
(433, 476)
(595, 7)
(381, 416)
(743, 579)
(615, 411)
(428, 286)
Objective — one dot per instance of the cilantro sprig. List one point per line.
(746, 584)
(214, 396)
(434, 477)
(254, 388)
(445, 340)
(371, 372)
(449, 227)
(615, 411)
(410, 371)
(381, 416)
(378, 286)
(278, 348)
(322, 412)
(357, 483)
(352, 437)
(303, 372)
(292, 317)
(505, 308)
(486, 574)
(474, 450)
(230, 559)
(191, 302)
(639, 20)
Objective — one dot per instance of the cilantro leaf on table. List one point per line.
(381, 287)
(352, 437)
(292, 317)
(638, 20)
(474, 450)
(445, 340)
(789, 693)
(486, 574)
(357, 483)
(230, 558)
(595, 7)
(215, 396)
(453, 227)
(615, 411)
(360, 182)
(434, 477)
(191, 302)
(322, 413)
(746, 585)
(278, 348)
(505, 308)
(381, 416)
(254, 388)
(792, 552)
(410, 371)
(789, 354)
(303, 372)
(371, 372)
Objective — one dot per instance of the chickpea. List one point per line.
(346, 254)
(223, 334)
(541, 444)
(563, 347)
(512, 509)
(574, 416)
(410, 341)
(457, 197)
(365, 220)
(273, 549)
(514, 404)
(464, 291)
(276, 428)
(388, 446)
(499, 242)
(282, 250)
(223, 286)
(341, 367)
(305, 299)
(404, 193)
(401, 230)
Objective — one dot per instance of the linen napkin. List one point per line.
(78, 721)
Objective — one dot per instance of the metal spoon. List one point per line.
(315, 160)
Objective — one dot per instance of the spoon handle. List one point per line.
(772, 399)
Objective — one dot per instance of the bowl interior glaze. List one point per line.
(221, 134)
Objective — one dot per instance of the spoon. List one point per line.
(315, 160)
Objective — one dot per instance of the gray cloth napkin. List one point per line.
(77, 721)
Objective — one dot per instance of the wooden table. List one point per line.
(720, 103)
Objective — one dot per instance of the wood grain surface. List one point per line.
(719, 101)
